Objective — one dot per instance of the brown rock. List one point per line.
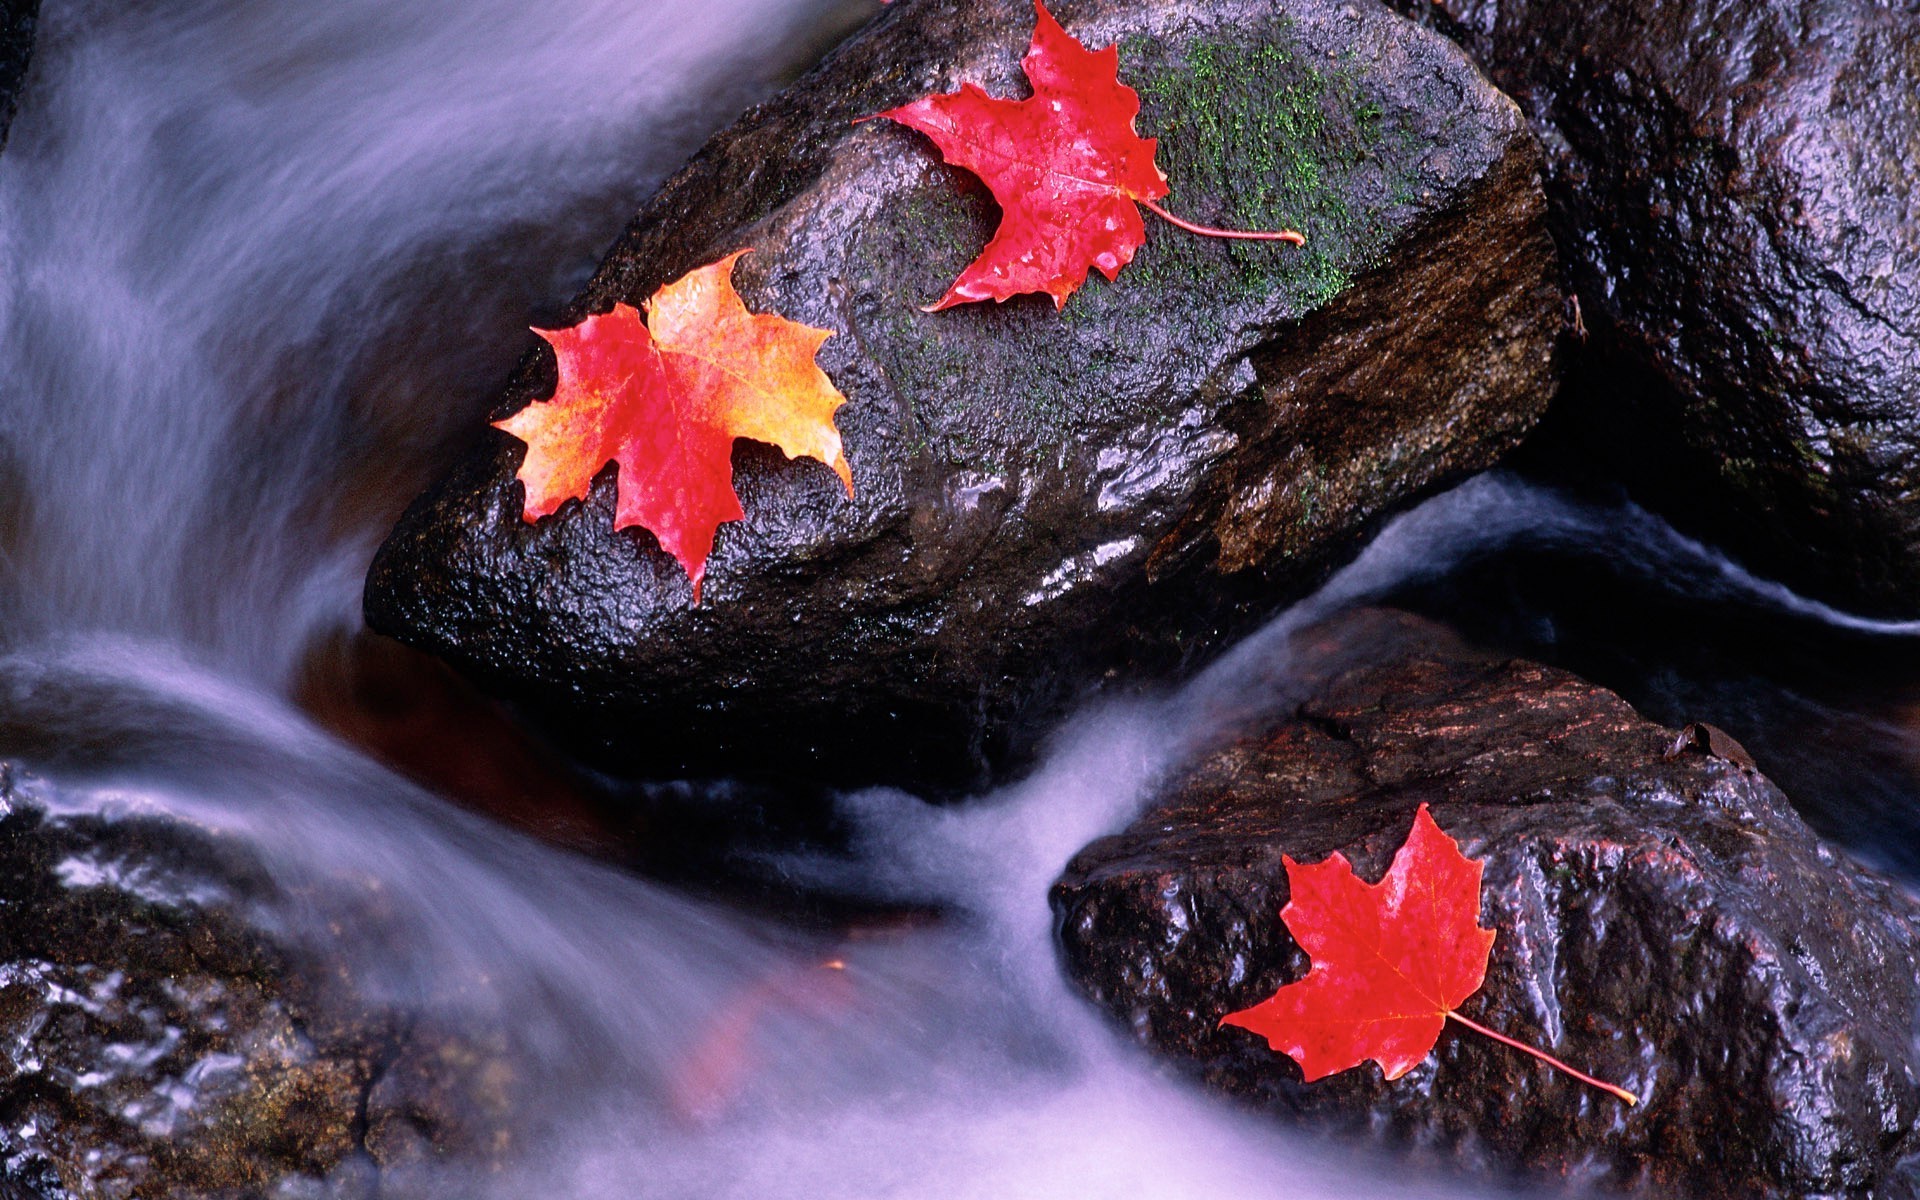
(154, 1042)
(1667, 923)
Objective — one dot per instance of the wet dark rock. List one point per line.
(157, 1042)
(1045, 499)
(17, 21)
(1665, 921)
(1732, 189)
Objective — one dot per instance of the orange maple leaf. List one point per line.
(1065, 165)
(666, 399)
(1392, 961)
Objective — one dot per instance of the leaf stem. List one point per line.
(1544, 1057)
(1289, 236)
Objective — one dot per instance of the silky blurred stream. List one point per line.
(266, 264)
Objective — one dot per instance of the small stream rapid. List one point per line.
(267, 261)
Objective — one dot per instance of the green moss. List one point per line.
(1311, 487)
(941, 221)
(1744, 474)
(1257, 133)
(1266, 136)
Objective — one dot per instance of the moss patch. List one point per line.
(1260, 133)
(1271, 135)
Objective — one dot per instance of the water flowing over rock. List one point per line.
(157, 1040)
(1732, 188)
(1045, 500)
(1665, 921)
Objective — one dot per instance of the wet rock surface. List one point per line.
(1664, 919)
(1732, 190)
(156, 1041)
(1044, 499)
(18, 19)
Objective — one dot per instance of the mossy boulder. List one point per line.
(159, 1040)
(1045, 499)
(1732, 188)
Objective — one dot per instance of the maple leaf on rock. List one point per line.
(1392, 961)
(664, 400)
(1065, 165)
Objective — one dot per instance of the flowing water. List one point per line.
(265, 263)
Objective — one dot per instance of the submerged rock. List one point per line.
(1665, 921)
(157, 1041)
(17, 21)
(1044, 499)
(1732, 189)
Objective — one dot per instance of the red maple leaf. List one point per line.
(1065, 165)
(1392, 961)
(666, 401)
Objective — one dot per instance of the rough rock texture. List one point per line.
(17, 21)
(155, 1043)
(1043, 497)
(1665, 923)
(1732, 186)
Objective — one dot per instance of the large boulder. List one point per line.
(1043, 498)
(157, 1040)
(1732, 189)
(1664, 920)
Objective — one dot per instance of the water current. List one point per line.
(266, 262)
